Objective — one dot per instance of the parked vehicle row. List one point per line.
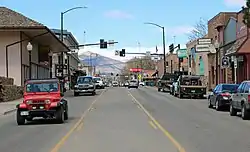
(234, 96)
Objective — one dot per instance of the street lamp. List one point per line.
(29, 48)
(163, 41)
(216, 45)
(61, 33)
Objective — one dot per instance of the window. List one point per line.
(42, 87)
(230, 87)
(97, 79)
(82, 80)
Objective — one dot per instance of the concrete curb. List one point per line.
(9, 111)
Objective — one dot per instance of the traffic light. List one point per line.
(122, 53)
(103, 44)
(179, 46)
(171, 48)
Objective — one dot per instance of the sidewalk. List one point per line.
(8, 107)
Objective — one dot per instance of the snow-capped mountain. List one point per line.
(103, 64)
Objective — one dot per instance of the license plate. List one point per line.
(193, 91)
(24, 113)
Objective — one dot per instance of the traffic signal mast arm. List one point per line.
(90, 44)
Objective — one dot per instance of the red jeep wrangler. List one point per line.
(42, 98)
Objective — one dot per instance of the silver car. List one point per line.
(133, 84)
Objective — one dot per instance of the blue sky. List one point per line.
(122, 21)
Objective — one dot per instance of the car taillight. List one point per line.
(225, 94)
(248, 98)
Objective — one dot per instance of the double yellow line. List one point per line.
(155, 124)
(77, 126)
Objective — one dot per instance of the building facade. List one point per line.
(16, 32)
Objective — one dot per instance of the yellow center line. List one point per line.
(152, 124)
(165, 132)
(79, 127)
(65, 137)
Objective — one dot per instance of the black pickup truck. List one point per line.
(191, 86)
(164, 84)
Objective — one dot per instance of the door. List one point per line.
(215, 93)
(238, 96)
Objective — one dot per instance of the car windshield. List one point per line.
(229, 87)
(82, 80)
(97, 79)
(42, 87)
(133, 81)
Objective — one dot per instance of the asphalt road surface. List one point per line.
(134, 120)
(196, 127)
(40, 136)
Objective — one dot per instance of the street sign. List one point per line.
(203, 45)
(61, 70)
(117, 52)
(204, 41)
(203, 48)
(111, 43)
(182, 53)
(225, 62)
(148, 53)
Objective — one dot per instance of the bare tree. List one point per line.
(199, 31)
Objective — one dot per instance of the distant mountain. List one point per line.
(103, 64)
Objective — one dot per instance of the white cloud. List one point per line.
(235, 3)
(179, 30)
(111, 52)
(118, 14)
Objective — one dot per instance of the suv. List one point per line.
(85, 84)
(240, 101)
(42, 98)
(133, 84)
(99, 83)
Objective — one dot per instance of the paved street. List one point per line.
(193, 125)
(116, 122)
(40, 136)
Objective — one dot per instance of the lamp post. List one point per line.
(216, 45)
(61, 33)
(29, 48)
(163, 41)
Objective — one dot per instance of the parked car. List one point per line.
(85, 84)
(189, 85)
(221, 95)
(42, 98)
(240, 101)
(133, 84)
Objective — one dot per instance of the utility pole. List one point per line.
(163, 42)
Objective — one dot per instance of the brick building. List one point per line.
(172, 64)
(215, 26)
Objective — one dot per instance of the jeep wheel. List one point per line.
(60, 115)
(20, 119)
(66, 114)
(76, 94)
